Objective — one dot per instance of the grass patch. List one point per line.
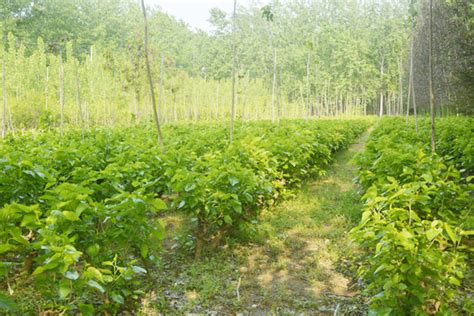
(292, 263)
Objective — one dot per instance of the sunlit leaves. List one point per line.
(416, 208)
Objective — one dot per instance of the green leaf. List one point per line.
(96, 285)
(117, 298)
(237, 207)
(454, 281)
(404, 267)
(391, 179)
(71, 216)
(95, 273)
(138, 269)
(404, 238)
(7, 303)
(158, 204)
(365, 216)
(189, 187)
(93, 250)
(50, 266)
(86, 309)
(432, 233)
(380, 268)
(233, 181)
(64, 289)
(5, 248)
(71, 275)
(228, 219)
(144, 250)
(450, 232)
(29, 220)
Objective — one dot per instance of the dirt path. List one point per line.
(296, 264)
(299, 267)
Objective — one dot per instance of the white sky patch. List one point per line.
(195, 12)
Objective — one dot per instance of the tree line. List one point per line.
(83, 62)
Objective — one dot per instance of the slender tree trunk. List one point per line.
(304, 102)
(217, 101)
(410, 82)
(61, 91)
(244, 98)
(381, 89)
(274, 83)
(78, 100)
(175, 112)
(161, 95)
(278, 98)
(234, 60)
(364, 102)
(327, 98)
(308, 90)
(150, 79)
(106, 106)
(137, 105)
(389, 103)
(412, 85)
(4, 87)
(432, 97)
(46, 88)
(415, 114)
(193, 111)
(400, 87)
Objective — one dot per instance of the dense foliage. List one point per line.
(85, 212)
(418, 216)
(328, 60)
(453, 49)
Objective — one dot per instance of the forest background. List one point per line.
(82, 61)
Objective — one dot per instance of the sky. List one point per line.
(195, 12)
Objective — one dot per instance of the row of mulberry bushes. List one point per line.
(225, 190)
(85, 213)
(417, 219)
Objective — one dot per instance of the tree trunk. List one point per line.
(411, 87)
(46, 87)
(415, 114)
(400, 87)
(217, 101)
(245, 96)
(381, 88)
(150, 79)
(4, 112)
(409, 80)
(161, 95)
(327, 98)
(274, 83)
(175, 112)
(61, 91)
(278, 97)
(78, 101)
(308, 90)
(234, 60)
(201, 231)
(432, 97)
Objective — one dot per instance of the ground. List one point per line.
(297, 262)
